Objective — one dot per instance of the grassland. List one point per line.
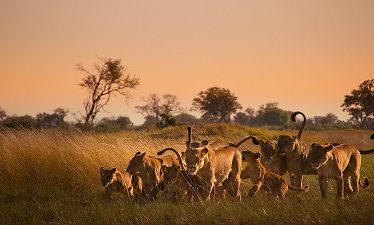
(52, 177)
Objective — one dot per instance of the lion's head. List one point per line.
(268, 149)
(250, 157)
(107, 176)
(137, 163)
(286, 144)
(318, 155)
(195, 159)
(170, 173)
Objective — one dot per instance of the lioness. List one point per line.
(179, 184)
(219, 169)
(116, 181)
(269, 158)
(339, 162)
(296, 154)
(262, 179)
(149, 170)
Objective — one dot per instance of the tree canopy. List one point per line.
(216, 104)
(360, 103)
(109, 78)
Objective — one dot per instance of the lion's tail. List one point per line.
(304, 189)
(365, 152)
(366, 183)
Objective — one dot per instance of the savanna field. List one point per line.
(52, 177)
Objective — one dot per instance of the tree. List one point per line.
(242, 118)
(270, 114)
(54, 120)
(360, 103)
(149, 121)
(113, 125)
(166, 120)
(20, 122)
(245, 118)
(155, 106)
(3, 114)
(186, 118)
(216, 104)
(110, 78)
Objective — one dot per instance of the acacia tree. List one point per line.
(360, 103)
(217, 104)
(155, 106)
(109, 78)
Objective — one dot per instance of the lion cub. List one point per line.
(268, 181)
(118, 181)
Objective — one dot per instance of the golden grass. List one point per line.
(52, 177)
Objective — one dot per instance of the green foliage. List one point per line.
(114, 125)
(217, 104)
(20, 122)
(360, 103)
(267, 115)
(54, 120)
(166, 120)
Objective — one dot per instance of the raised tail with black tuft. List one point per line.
(293, 118)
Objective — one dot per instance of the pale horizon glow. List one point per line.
(305, 55)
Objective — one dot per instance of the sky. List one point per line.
(306, 55)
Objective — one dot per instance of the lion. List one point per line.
(295, 153)
(149, 170)
(262, 179)
(213, 169)
(339, 162)
(178, 184)
(116, 181)
(269, 158)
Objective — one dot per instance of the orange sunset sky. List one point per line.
(306, 55)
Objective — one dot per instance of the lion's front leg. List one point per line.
(255, 189)
(339, 187)
(323, 186)
(108, 194)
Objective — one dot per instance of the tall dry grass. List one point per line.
(52, 177)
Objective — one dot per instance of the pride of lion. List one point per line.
(206, 171)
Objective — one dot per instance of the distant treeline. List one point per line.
(268, 115)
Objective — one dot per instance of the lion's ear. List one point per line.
(205, 151)
(205, 142)
(257, 155)
(138, 153)
(142, 155)
(113, 170)
(101, 169)
(314, 145)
